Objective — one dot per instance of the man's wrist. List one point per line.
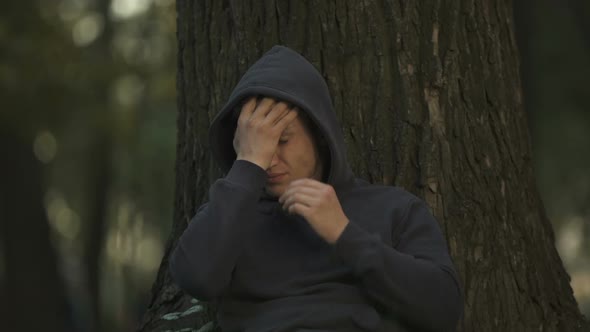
(253, 160)
(247, 175)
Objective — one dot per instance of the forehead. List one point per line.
(295, 126)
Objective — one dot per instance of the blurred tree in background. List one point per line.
(88, 130)
(88, 105)
(554, 38)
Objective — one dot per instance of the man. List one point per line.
(290, 241)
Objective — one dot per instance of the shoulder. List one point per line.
(389, 201)
(391, 194)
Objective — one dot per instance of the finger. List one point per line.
(278, 111)
(247, 109)
(305, 196)
(263, 108)
(299, 209)
(290, 108)
(307, 182)
(286, 120)
(312, 192)
(299, 198)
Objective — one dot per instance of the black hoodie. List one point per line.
(269, 271)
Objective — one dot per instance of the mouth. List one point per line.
(275, 177)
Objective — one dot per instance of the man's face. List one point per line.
(296, 158)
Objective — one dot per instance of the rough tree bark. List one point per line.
(429, 96)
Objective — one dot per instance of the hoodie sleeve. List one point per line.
(415, 281)
(206, 254)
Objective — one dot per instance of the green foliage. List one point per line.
(176, 315)
(196, 308)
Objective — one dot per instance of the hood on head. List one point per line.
(284, 74)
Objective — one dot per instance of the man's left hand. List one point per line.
(318, 204)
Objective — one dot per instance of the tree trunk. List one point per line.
(429, 96)
(100, 176)
(32, 294)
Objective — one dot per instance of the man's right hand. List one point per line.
(260, 126)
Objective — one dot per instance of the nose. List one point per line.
(274, 161)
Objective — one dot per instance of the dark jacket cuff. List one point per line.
(248, 175)
(355, 246)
